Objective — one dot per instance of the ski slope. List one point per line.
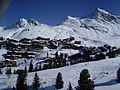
(103, 73)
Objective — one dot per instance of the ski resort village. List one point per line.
(76, 54)
(44, 56)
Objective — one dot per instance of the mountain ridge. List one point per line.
(99, 27)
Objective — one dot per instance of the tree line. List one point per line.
(84, 81)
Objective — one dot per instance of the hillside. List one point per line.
(96, 28)
(102, 72)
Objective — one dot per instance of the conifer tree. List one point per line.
(84, 82)
(8, 71)
(13, 88)
(36, 68)
(118, 75)
(56, 55)
(69, 86)
(0, 71)
(36, 82)
(40, 67)
(59, 81)
(14, 72)
(26, 72)
(31, 67)
(21, 81)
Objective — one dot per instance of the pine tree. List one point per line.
(0, 71)
(56, 55)
(26, 72)
(69, 86)
(13, 88)
(84, 82)
(111, 55)
(40, 67)
(36, 83)
(21, 81)
(8, 71)
(59, 81)
(31, 67)
(118, 75)
(14, 72)
(36, 68)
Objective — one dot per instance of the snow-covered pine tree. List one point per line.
(8, 71)
(84, 82)
(26, 71)
(21, 81)
(59, 81)
(40, 67)
(69, 86)
(36, 83)
(13, 88)
(0, 71)
(36, 68)
(31, 67)
(118, 75)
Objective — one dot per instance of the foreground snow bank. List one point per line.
(102, 72)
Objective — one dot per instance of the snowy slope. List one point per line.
(102, 72)
(96, 28)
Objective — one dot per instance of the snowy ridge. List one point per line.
(97, 28)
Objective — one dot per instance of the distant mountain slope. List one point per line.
(97, 28)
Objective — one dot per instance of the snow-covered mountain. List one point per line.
(96, 28)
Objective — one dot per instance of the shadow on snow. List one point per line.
(111, 82)
(30, 88)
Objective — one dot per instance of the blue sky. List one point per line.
(53, 12)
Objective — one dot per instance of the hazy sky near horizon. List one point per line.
(52, 12)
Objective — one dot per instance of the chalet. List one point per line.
(77, 42)
(68, 46)
(28, 55)
(49, 60)
(69, 39)
(13, 41)
(19, 54)
(25, 40)
(92, 57)
(103, 49)
(52, 45)
(116, 52)
(44, 44)
(1, 64)
(23, 46)
(35, 47)
(75, 57)
(1, 38)
(10, 46)
(17, 49)
(40, 38)
(1, 44)
(9, 63)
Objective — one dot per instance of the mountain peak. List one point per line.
(69, 17)
(102, 15)
(69, 21)
(98, 10)
(98, 14)
(25, 22)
